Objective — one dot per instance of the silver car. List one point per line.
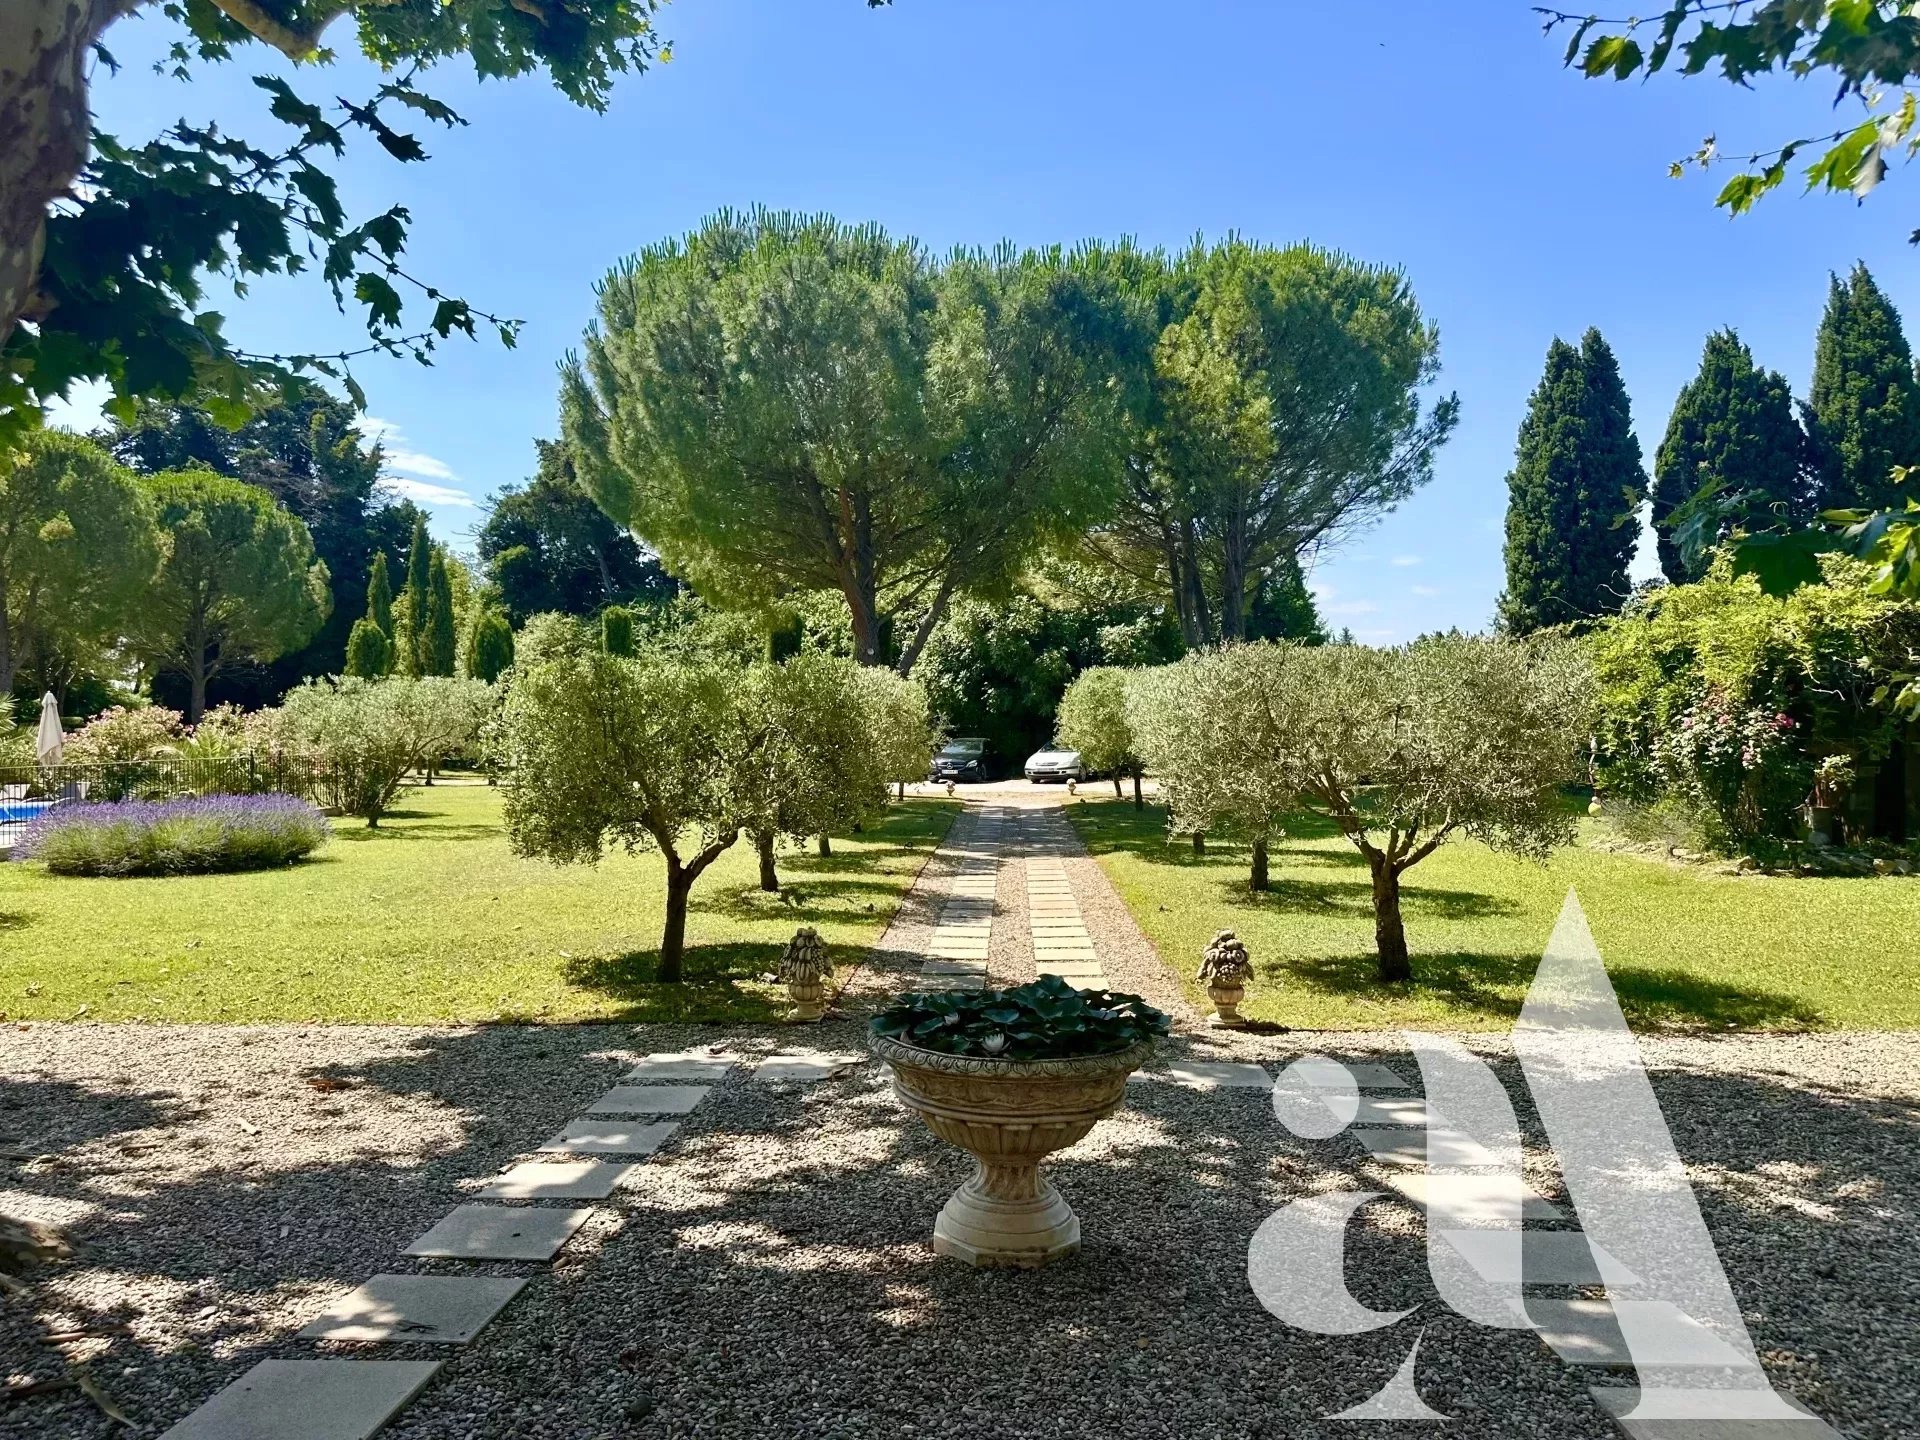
(1055, 764)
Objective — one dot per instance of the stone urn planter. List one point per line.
(1008, 1115)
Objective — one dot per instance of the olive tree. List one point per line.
(901, 735)
(1214, 728)
(1405, 749)
(357, 739)
(1092, 719)
(601, 749)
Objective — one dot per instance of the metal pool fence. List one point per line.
(29, 791)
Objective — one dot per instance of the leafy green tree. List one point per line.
(77, 550)
(1573, 494)
(999, 670)
(412, 637)
(551, 636)
(105, 246)
(1092, 719)
(1283, 608)
(783, 403)
(1733, 433)
(1866, 47)
(369, 652)
(490, 645)
(238, 581)
(1282, 411)
(547, 546)
(899, 730)
(438, 648)
(1864, 406)
(357, 739)
(380, 596)
(600, 749)
(306, 451)
(616, 630)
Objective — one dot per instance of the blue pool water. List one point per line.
(14, 811)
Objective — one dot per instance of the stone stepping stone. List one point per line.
(680, 1067)
(433, 1309)
(1591, 1332)
(1473, 1199)
(1207, 1075)
(610, 1137)
(1367, 1076)
(1542, 1257)
(1716, 1418)
(308, 1400)
(954, 967)
(500, 1232)
(558, 1180)
(1391, 1110)
(808, 1066)
(1447, 1149)
(649, 1100)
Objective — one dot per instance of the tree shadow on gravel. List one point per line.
(767, 1273)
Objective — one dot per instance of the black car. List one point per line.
(961, 759)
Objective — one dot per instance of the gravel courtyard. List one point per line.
(768, 1272)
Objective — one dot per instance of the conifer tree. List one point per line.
(368, 651)
(413, 636)
(1864, 406)
(1572, 495)
(489, 646)
(1733, 428)
(380, 595)
(616, 630)
(437, 652)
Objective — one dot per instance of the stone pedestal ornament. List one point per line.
(1226, 968)
(805, 970)
(1008, 1115)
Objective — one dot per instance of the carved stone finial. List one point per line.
(1226, 967)
(804, 970)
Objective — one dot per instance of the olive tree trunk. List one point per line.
(1139, 802)
(1257, 879)
(1117, 792)
(769, 878)
(826, 845)
(1199, 843)
(1389, 931)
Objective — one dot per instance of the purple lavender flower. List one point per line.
(174, 837)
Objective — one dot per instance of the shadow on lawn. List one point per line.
(801, 1213)
(420, 825)
(801, 900)
(1486, 985)
(1352, 897)
(714, 987)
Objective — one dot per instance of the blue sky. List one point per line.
(1522, 201)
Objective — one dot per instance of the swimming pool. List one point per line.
(18, 812)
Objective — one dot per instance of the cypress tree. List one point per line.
(489, 646)
(616, 630)
(413, 638)
(1864, 406)
(1575, 486)
(368, 650)
(380, 595)
(1732, 426)
(437, 652)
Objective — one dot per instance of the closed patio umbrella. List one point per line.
(51, 740)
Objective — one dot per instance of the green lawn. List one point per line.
(1684, 948)
(430, 918)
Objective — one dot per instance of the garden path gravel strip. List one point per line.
(767, 1273)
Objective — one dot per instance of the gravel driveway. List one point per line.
(769, 1275)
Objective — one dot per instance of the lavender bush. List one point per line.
(175, 837)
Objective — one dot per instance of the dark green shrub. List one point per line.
(1045, 1019)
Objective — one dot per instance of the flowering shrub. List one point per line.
(1744, 767)
(122, 734)
(175, 837)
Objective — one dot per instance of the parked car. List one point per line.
(963, 758)
(1054, 763)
